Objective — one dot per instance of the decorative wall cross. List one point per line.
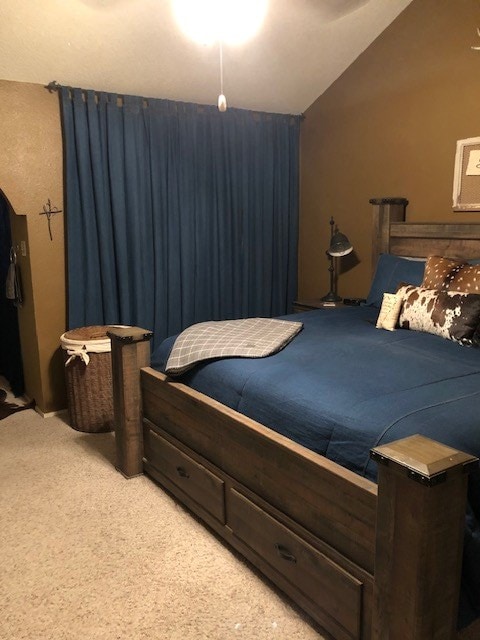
(49, 211)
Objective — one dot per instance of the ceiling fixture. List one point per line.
(230, 22)
(222, 101)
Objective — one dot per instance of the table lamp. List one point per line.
(339, 246)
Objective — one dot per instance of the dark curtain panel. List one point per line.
(177, 213)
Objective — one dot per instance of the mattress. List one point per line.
(342, 386)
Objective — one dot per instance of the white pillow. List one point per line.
(390, 311)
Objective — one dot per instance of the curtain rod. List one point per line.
(54, 86)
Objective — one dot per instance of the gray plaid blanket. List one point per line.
(248, 338)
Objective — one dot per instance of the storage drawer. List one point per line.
(330, 588)
(200, 484)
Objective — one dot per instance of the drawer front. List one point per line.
(332, 590)
(200, 484)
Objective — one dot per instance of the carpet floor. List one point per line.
(86, 554)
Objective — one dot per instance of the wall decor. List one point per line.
(49, 211)
(466, 178)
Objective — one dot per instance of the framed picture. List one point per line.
(466, 178)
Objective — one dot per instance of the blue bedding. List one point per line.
(342, 387)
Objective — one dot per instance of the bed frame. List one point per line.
(365, 561)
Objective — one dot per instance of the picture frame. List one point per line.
(466, 178)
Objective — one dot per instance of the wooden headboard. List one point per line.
(391, 234)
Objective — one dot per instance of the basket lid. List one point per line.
(96, 332)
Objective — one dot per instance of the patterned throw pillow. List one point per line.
(451, 275)
(389, 311)
(455, 316)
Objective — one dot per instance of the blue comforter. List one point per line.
(342, 387)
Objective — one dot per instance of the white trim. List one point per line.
(458, 175)
(50, 414)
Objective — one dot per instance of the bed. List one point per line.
(365, 535)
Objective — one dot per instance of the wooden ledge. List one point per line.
(128, 335)
(424, 460)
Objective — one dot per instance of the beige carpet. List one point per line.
(86, 554)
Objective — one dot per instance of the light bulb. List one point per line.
(233, 21)
(222, 103)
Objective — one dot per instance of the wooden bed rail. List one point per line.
(130, 352)
(421, 500)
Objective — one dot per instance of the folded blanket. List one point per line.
(246, 338)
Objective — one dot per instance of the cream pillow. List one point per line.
(389, 311)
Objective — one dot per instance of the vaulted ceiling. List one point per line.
(136, 47)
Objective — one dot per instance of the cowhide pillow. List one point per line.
(455, 316)
(451, 275)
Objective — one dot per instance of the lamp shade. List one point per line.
(339, 245)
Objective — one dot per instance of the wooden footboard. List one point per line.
(364, 562)
(310, 528)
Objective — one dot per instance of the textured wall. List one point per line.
(388, 127)
(31, 172)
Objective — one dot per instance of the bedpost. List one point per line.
(385, 211)
(422, 487)
(130, 352)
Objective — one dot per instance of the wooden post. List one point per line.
(385, 211)
(130, 352)
(422, 487)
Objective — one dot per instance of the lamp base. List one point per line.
(331, 297)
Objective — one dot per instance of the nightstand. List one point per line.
(308, 305)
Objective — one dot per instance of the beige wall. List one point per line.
(388, 127)
(30, 174)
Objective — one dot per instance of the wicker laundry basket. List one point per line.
(88, 377)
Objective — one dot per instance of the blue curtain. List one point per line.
(177, 213)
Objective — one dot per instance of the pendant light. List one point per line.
(222, 101)
(230, 21)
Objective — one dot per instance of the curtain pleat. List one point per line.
(177, 213)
